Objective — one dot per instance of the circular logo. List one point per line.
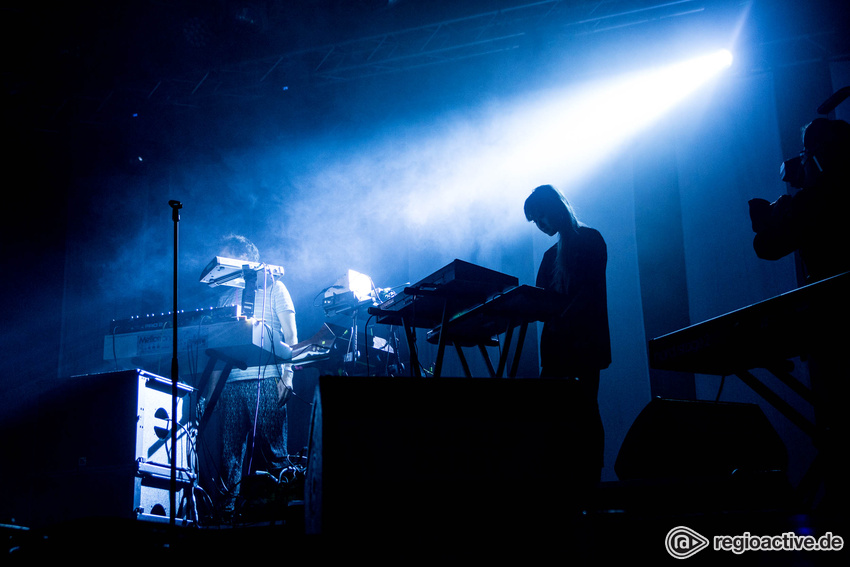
(682, 542)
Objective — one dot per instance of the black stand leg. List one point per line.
(410, 335)
(175, 216)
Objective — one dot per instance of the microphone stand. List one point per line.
(175, 216)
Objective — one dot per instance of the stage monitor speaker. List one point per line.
(442, 454)
(101, 445)
(682, 439)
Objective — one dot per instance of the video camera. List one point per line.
(826, 145)
(825, 141)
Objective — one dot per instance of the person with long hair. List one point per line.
(575, 342)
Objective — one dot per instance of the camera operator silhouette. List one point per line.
(813, 221)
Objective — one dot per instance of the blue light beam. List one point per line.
(560, 137)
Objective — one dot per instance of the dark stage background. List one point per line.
(272, 120)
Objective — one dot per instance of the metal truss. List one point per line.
(483, 34)
(478, 35)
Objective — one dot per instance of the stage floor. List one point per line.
(591, 537)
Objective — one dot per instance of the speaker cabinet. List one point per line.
(425, 455)
(687, 457)
(698, 439)
(100, 445)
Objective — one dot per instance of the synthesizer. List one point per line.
(147, 342)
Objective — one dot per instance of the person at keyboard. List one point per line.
(253, 401)
(575, 343)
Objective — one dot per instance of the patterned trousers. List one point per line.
(241, 406)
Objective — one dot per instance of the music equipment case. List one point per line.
(100, 446)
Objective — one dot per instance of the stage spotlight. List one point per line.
(679, 80)
(570, 133)
(474, 168)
